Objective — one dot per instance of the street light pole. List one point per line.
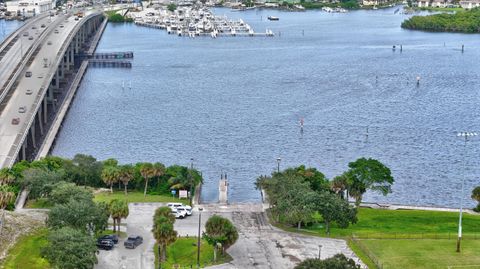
(465, 135)
(198, 240)
(191, 180)
(278, 164)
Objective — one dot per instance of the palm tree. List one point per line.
(110, 175)
(7, 176)
(146, 170)
(7, 195)
(166, 212)
(158, 170)
(126, 174)
(118, 209)
(163, 232)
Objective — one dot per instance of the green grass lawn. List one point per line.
(412, 254)
(184, 253)
(378, 223)
(26, 252)
(136, 197)
(39, 203)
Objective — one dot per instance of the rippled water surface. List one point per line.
(234, 104)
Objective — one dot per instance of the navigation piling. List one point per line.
(463, 48)
(418, 81)
(401, 48)
(223, 189)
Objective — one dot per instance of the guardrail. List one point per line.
(20, 139)
(19, 68)
(13, 34)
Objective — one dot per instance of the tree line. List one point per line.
(467, 21)
(300, 196)
(39, 177)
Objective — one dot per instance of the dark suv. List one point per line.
(133, 241)
(105, 244)
(112, 237)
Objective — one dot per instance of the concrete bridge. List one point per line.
(39, 69)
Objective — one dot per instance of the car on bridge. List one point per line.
(56, 31)
(28, 74)
(22, 109)
(30, 38)
(28, 92)
(43, 25)
(25, 33)
(15, 121)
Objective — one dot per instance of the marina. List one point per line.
(194, 21)
(240, 124)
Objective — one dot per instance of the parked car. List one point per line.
(22, 109)
(34, 27)
(28, 74)
(56, 31)
(30, 38)
(112, 237)
(175, 205)
(133, 241)
(25, 33)
(49, 42)
(43, 26)
(105, 244)
(179, 214)
(28, 92)
(188, 211)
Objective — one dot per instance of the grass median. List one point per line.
(136, 197)
(183, 253)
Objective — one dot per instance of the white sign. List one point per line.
(183, 194)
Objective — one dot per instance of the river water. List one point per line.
(234, 104)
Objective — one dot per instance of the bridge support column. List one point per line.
(45, 106)
(51, 98)
(32, 133)
(39, 117)
(24, 151)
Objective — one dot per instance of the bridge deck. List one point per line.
(11, 135)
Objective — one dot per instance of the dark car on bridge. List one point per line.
(133, 241)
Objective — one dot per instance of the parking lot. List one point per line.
(259, 245)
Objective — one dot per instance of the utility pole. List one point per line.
(191, 181)
(465, 135)
(198, 239)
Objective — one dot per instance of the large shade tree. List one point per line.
(70, 248)
(364, 174)
(84, 215)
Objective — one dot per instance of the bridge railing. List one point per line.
(21, 65)
(19, 31)
(20, 139)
